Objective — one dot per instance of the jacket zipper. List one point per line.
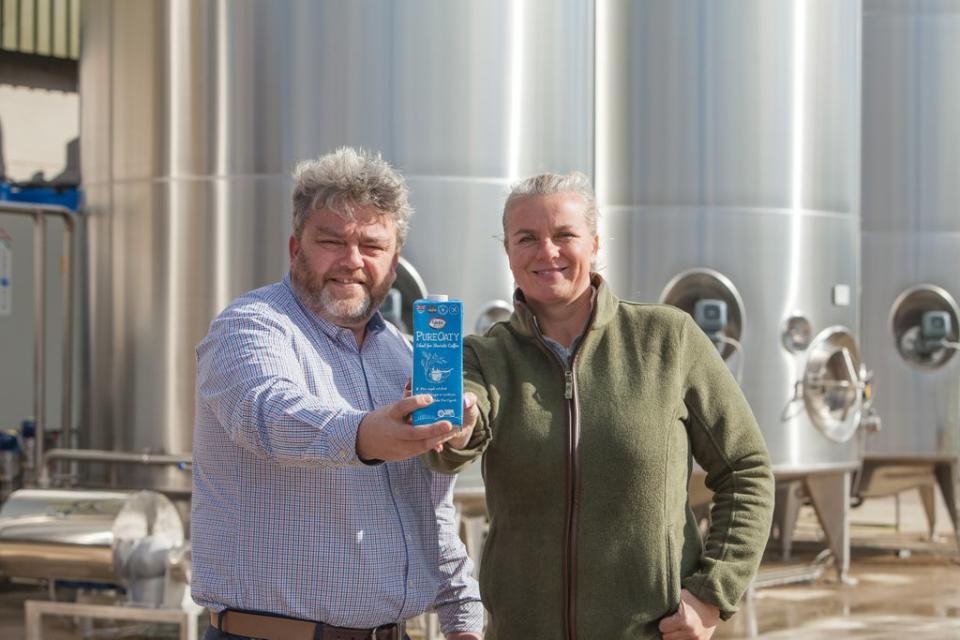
(573, 485)
(573, 498)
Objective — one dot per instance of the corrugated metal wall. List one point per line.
(41, 27)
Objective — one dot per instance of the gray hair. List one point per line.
(349, 178)
(551, 183)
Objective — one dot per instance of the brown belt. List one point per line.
(267, 627)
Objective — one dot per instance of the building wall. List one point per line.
(36, 125)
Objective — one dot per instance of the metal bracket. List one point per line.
(186, 620)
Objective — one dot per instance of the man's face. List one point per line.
(550, 247)
(343, 269)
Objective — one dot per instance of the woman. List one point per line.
(588, 412)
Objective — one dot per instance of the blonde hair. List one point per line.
(550, 183)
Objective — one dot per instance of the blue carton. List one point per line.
(438, 359)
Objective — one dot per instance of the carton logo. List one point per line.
(446, 413)
(433, 367)
(437, 323)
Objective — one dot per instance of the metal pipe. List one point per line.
(767, 578)
(36, 27)
(132, 457)
(176, 494)
(52, 30)
(124, 457)
(39, 339)
(39, 213)
(69, 317)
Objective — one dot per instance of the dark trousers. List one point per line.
(215, 634)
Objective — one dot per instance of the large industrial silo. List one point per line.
(189, 126)
(911, 245)
(483, 93)
(728, 175)
(477, 102)
(194, 114)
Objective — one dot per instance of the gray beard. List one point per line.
(351, 311)
(313, 293)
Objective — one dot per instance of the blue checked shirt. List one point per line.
(286, 519)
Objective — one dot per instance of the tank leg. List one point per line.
(785, 513)
(830, 495)
(948, 477)
(473, 530)
(928, 499)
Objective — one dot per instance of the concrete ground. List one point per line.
(907, 587)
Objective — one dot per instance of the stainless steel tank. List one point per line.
(193, 116)
(484, 93)
(186, 184)
(728, 171)
(911, 243)
(194, 113)
(113, 537)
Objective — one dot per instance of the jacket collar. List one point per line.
(523, 320)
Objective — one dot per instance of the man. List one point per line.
(312, 515)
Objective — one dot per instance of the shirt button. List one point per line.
(410, 583)
(344, 454)
(408, 537)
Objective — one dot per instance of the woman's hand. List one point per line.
(694, 620)
(470, 415)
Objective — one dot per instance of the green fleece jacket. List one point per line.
(586, 473)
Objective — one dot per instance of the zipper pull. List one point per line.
(568, 386)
